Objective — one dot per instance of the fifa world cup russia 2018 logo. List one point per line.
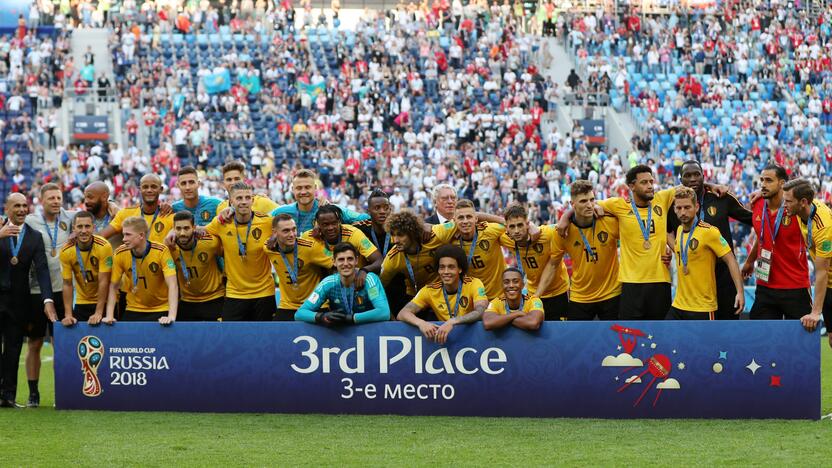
(91, 353)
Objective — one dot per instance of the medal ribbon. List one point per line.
(242, 246)
(386, 241)
(684, 247)
(458, 295)
(587, 246)
(767, 224)
(53, 234)
(293, 272)
(135, 272)
(17, 241)
(645, 227)
(473, 245)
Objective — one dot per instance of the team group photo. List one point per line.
(528, 217)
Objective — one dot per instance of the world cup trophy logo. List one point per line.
(91, 352)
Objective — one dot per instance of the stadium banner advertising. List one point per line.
(90, 127)
(594, 131)
(741, 369)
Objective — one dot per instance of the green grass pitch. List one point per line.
(45, 437)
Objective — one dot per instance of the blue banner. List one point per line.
(217, 82)
(741, 369)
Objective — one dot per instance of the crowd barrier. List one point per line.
(759, 369)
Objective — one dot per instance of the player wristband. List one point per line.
(48, 301)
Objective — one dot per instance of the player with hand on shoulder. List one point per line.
(199, 275)
(305, 207)
(698, 246)
(514, 308)
(234, 173)
(456, 298)
(348, 304)
(88, 260)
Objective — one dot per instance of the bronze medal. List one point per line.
(646, 245)
(13, 261)
(134, 290)
(54, 252)
(685, 269)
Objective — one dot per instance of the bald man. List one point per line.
(96, 201)
(21, 249)
(159, 216)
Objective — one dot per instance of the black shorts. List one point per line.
(83, 312)
(679, 314)
(603, 310)
(38, 325)
(133, 316)
(555, 308)
(261, 309)
(285, 315)
(208, 311)
(644, 301)
(777, 304)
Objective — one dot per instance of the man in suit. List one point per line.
(444, 202)
(21, 247)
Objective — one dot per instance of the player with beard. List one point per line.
(299, 265)
(159, 222)
(305, 208)
(778, 259)
(816, 224)
(200, 280)
(698, 246)
(716, 211)
(409, 264)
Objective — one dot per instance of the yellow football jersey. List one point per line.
(204, 281)
(260, 204)
(396, 261)
(431, 297)
(159, 227)
(533, 257)
(98, 259)
(313, 265)
(640, 265)
(248, 278)
(595, 276)
(151, 290)
(349, 234)
(821, 234)
(530, 303)
(696, 290)
(487, 262)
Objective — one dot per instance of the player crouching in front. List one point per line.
(524, 311)
(467, 294)
(347, 304)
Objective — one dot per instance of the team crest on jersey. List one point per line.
(158, 227)
(787, 220)
(203, 257)
(256, 233)
(484, 244)
(657, 210)
(94, 261)
(206, 216)
(154, 267)
(538, 247)
(463, 302)
(694, 244)
(712, 210)
(63, 226)
(603, 236)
